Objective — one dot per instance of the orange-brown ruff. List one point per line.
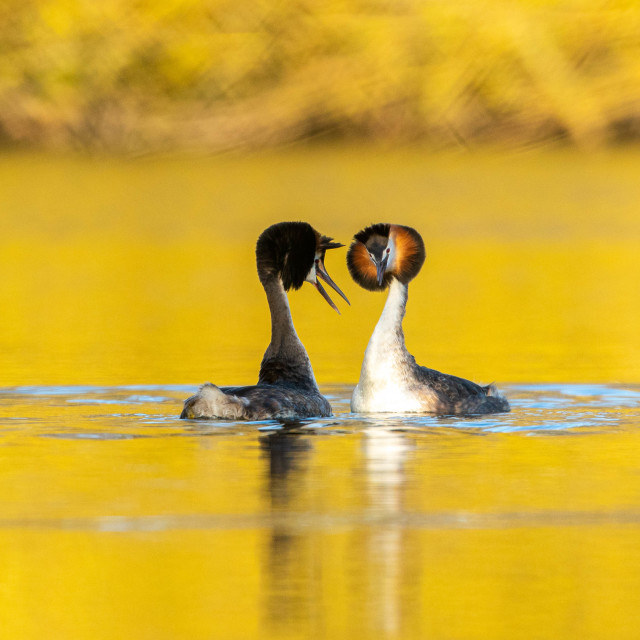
(389, 256)
(287, 255)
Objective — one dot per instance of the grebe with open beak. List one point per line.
(390, 255)
(288, 254)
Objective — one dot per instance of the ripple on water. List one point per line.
(137, 411)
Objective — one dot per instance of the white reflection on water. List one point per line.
(385, 452)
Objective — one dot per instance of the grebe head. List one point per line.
(294, 252)
(384, 251)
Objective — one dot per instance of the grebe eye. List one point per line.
(388, 250)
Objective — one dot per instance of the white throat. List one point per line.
(388, 333)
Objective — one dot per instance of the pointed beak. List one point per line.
(382, 266)
(325, 295)
(321, 272)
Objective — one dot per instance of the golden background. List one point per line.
(130, 271)
(145, 146)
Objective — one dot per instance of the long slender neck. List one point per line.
(282, 329)
(386, 344)
(389, 327)
(285, 360)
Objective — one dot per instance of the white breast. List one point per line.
(387, 381)
(387, 399)
(387, 384)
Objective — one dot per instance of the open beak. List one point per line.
(321, 272)
(382, 266)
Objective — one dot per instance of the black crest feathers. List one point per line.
(369, 233)
(286, 249)
(325, 243)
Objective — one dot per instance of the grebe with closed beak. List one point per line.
(288, 254)
(391, 255)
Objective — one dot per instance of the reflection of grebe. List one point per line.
(388, 255)
(287, 255)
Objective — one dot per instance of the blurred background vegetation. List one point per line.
(138, 75)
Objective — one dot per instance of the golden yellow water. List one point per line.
(125, 283)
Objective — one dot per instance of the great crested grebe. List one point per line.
(391, 255)
(288, 254)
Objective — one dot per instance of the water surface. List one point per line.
(119, 518)
(126, 283)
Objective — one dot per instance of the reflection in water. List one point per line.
(291, 587)
(385, 450)
(344, 528)
(293, 567)
(286, 450)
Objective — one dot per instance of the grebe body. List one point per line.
(390, 256)
(287, 255)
